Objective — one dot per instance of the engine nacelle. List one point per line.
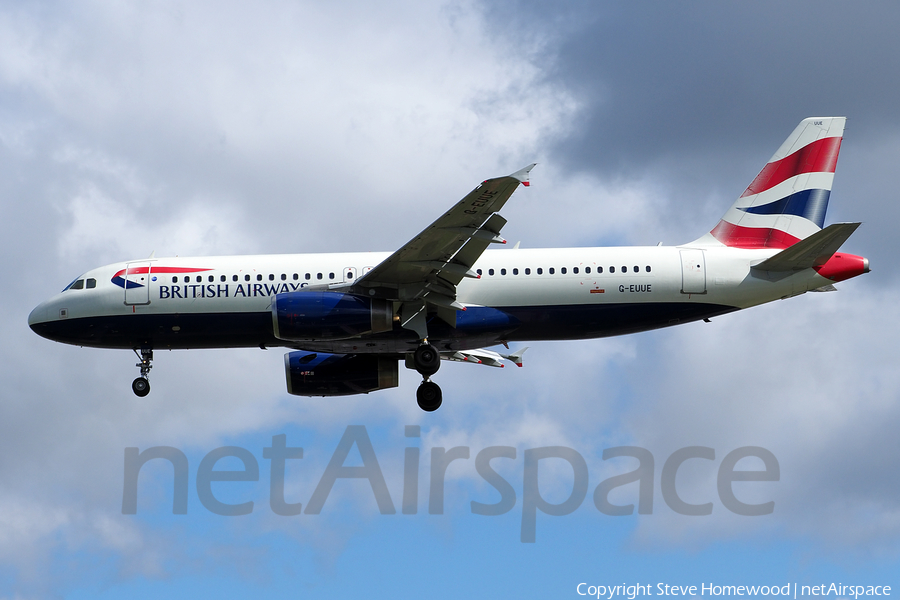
(329, 316)
(323, 374)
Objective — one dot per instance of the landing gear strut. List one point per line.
(427, 360)
(141, 385)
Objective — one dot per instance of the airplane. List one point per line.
(349, 319)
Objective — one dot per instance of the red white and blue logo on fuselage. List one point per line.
(125, 275)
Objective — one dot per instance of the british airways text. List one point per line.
(225, 290)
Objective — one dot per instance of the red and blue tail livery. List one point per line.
(787, 201)
(349, 320)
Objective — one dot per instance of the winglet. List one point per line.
(516, 357)
(522, 174)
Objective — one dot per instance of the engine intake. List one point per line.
(300, 316)
(323, 374)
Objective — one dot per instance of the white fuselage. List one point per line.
(656, 286)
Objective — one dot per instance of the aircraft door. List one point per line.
(137, 283)
(693, 272)
(349, 274)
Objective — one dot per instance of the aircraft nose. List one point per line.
(43, 320)
(38, 315)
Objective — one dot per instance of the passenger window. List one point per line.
(91, 283)
(318, 276)
(503, 271)
(331, 276)
(599, 269)
(222, 278)
(479, 272)
(563, 270)
(211, 278)
(296, 276)
(587, 269)
(540, 271)
(349, 274)
(234, 277)
(308, 276)
(259, 276)
(515, 271)
(624, 269)
(527, 271)
(175, 280)
(199, 278)
(648, 268)
(612, 269)
(551, 270)
(187, 278)
(247, 277)
(637, 269)
(490, 271)
(271, 277)
(575, 270)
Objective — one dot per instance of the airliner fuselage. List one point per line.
(353, 316)
(522, 295)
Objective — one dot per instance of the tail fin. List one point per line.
(787, 201)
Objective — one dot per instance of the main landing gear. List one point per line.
(141, 385)
(427, 361)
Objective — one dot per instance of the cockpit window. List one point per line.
(79, 284)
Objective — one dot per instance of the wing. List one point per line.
(481, 356)
(429, 266)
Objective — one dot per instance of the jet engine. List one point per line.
(329, 316)
(323, 374)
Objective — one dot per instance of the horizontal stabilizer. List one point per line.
(813, 251)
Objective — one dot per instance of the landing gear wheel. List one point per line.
(427, 360)
(140, 387)
(429, 396)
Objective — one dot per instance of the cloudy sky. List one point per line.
(214, 128)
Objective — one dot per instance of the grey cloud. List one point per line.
(697, 97)
(809, 379)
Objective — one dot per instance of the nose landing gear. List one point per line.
(141, 385)
(427, 360)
